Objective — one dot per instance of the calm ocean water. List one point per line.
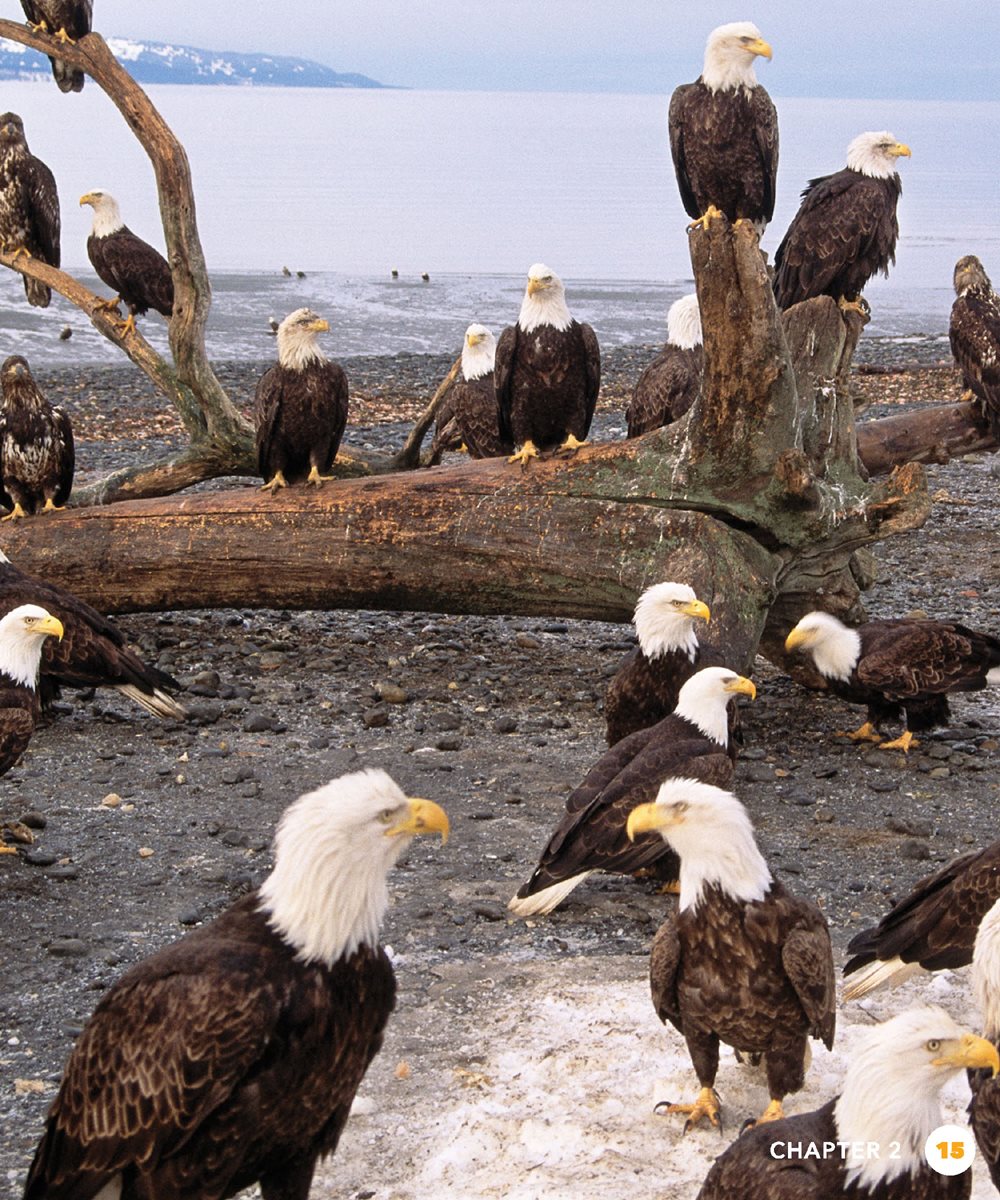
(472, 188)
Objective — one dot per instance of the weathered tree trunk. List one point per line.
(928, 435)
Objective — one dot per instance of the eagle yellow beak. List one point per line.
(535, 285)
(743, 686)
(424, 817)
(50, 626)
(969, 1051)
(646, 818)
(86, 198)
(797, 639)
(900, 150)
(759, 46)
(473, 339)
(319, 326)
(697, 608)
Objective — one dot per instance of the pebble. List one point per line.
(375, 718)
(883, 785)
(915, 850)
(528, 641)
(801, 798)
(40, 858)
(33, 820)
(67, 948)
(258, 723)
(391, 693)
(504, 725)
(68, 871)
(759, 774)
(489, 912)
(448, 743)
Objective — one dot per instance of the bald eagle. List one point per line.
(300, 407)
(845, 230)
(932, 928)
(906, 665)
(724, 132)
(868, 1142)
(36, 444)
(92, 651)
(22, 632)
(693, 741)
(67, 21)
(472, 417)
(29, 206)
(548, 372)
(138, 274)
(975, 337)
(233, 1055)
(672, 382)
(984, 1110)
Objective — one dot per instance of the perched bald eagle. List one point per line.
(724, 132)
(36, 444)
(693, 741)
(138, 274)
(932, 928)
(472, 417)
(867, 1143)
(22, 632)
(845, 230)
(974, 331)
(548, 372)
(905, 665)
(300, 408)
(92, 652)
(29, 206)
(672, 382)
(984, 1110)
(233, 1055)
(67, 21)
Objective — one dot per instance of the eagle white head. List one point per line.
(891, 1093)
(834, 647)
(875, 154)
(334, 847)
(986, 971)
(684, 323)
(544, 301)
(704, 698)
(298, 335)
(479, 352)
(729, 55)
(107, 216)
(22, 632)
(664, 619)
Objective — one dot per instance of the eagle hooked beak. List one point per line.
(798, 639)
(697, 609)
(647, 818)
(900, 150)
(49, 625)
(18, 370)
(970, 1051)
(759, 46)
(87, 198)
(742, 686)
(473, 339)
(319, 326)
(535, 285)
(424, 817)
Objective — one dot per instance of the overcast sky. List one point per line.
(855, 48)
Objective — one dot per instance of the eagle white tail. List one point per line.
(159, 703)
(877, 974)
(547, 899)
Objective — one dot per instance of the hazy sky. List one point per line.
(853, 48)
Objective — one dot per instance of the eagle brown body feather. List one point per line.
(73, 16)
(17, 721)
(29, 205)
(476, 417)
(844, 233)
(547, 383)
(300, 417)
(974, 331)
(217, 1062)
(134, 270)
(725, 150)
(757, 975)
(37, 455)
(644, 690)
(984, 1117)
(665, 390)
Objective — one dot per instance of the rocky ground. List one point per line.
(143, 828)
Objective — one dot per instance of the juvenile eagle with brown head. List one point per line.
(29, 206)
(37, 456)
(974, 331)
(66, 21)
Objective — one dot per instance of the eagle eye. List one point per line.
(30, 620)
(934, 1045)
(386, 815)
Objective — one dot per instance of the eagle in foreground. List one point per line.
(743, 961)
(548, 372)
(868, 1142)
(300, 407)
(29, 206)
(473, 419)
(92, 652)
(693, 741)
(36, 444)
(233, 1055)
(22, 632)
(933, 928)
(846, 229)
(672, 382)
(984, 1109)
(974, 331)
(724, 132)
(66, 21)
(906, 665)
(138, 274)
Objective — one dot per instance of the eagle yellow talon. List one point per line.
(51, 506)
(866, 733)
(528, 451)
(316, 479)
(773, 1112)
(706, 1105)
(903, 742)
(272, 486)
(109, 305)
(847, 306)
(63, 36)
(17, 512)
(570, 445)
(706, 218)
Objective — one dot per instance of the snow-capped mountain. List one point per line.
(160, 62)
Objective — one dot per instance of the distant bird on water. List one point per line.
(672, 381)
(29, 206)
(67, 21)
(974, 330)
(36, 444)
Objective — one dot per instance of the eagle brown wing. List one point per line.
(678, 151)
(974, 332)
(910, 659)
(503, 373)
(266, 405)
(807, 958)
(17, 723)
(44, 200)
(765, 131)
(592, 363)
(665, 390)
(136, 270)
(984, 1117)
(664, 959)
(64, 455)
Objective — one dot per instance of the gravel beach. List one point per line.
(145, 828)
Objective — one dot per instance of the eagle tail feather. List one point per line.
(156, 702)
(540, 903)
(877, 974)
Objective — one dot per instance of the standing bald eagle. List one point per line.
(984, 1110)
(846, 229)
(473, 418)
(932, 928)
(742, 961)
(300, 407)
(974, 331)
(29, 206)
(672, 382)
(233, 1055)
(724, 132)
(906, 665)
(548, 372)
(67, 21)
(36, 444)
(138, 274)
(693, 741)
(22, 632)
(868, 1143)
(92, 651)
